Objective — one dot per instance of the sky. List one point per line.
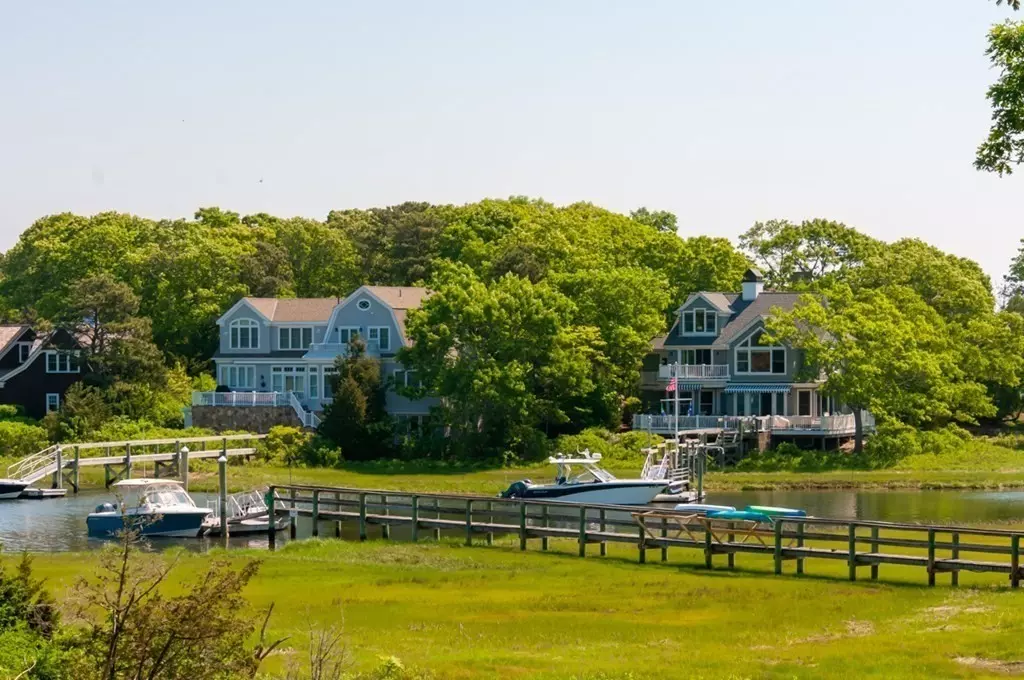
(724, 113)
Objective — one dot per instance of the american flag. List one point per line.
(671, 385)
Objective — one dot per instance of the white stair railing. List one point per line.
(35, 466)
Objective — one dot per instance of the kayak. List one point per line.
(740, 515)
(776, 512)
(704, 509)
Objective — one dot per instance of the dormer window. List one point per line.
(245, 334)
(700, 321)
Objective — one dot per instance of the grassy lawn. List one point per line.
(484, 612)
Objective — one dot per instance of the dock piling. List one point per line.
(222, 475)
(271, 516)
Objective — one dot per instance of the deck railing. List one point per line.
(695, 371)
(251, 399)
(835, 425)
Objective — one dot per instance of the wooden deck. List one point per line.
(934, 549)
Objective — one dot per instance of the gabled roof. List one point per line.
(288, 310)
(743, 315)
(9, 333)
(720, 301)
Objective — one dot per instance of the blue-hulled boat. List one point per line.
(153, 507)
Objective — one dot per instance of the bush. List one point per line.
(121, 428)
(9, 411)
(18, 439)
(284, 446)
(615, 449)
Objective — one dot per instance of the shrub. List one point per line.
(284, 446)
(121, 428)
(615, 449)
(19, 439)
(8, 411)
(892, 442)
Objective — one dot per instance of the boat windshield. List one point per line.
(162, 498)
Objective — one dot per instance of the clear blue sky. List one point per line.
(722, 112)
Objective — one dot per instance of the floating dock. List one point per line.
(43, 493)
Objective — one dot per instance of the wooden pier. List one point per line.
(861, 545)
(170, 458)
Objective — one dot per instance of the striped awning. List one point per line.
(683, 387)
(740, 389)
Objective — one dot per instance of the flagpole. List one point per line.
(676, 433)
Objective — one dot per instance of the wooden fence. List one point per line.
(860, 544)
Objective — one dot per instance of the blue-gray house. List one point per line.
(281, 351)
(715, 356)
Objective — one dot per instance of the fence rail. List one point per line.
(937, 549)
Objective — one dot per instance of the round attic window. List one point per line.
(363, 305)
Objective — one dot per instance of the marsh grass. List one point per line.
(486, 612)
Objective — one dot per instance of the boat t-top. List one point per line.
(593, 484)
(153, 507)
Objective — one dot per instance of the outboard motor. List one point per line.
(106, 507)
(517, 490)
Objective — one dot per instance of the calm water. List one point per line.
(59, 524)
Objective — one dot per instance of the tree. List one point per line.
(888, 351)
(356, 419)
(662, 220)
(1003, 149)
(798, 256)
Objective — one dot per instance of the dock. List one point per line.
(170, 458)
(43, 493)
(800, 541)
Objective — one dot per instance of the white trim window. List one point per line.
(329, 373)
(289, 379)
(245, 334)
(62, 362)
(346, 334)
(314, 382)
(696, 357)
(295, 337)
(381, 335)
(753, 358)
(24, 349)
(700, 322)
(405, 378)
(52, 401)
(238, 377)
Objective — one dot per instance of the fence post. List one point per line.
(74, 472)
(778, 545)
(583, 531)
(955, 576)
(469, 522)
(316, 513)
(800, 544)
(362, 517)
(183, 466)
(522, 525)
(852, 554)
(874, 549)
(1015, 561)
(490, 520)
(664, 535)
(58, 473)
(732, 539)
(385, 528)
(931, 557)
(415, 518)
(544, 516)
(127, 461)
(292, 514)
(643, 545)
(604, 544)
(707, 546)
(271, 512)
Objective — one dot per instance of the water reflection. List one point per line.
(59, 524)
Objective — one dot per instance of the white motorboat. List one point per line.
(154, 507)
(11, 488)
(593, 485)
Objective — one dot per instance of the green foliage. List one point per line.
(19, 439)
(662, 220)
(617, 450)
(82, 412)
(1003, 150)
(797, 256)
(10, 411)
(121, 428)
(284, 446)
(355, 419)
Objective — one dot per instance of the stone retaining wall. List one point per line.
(247, 418)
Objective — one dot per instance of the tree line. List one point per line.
(540, 318)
